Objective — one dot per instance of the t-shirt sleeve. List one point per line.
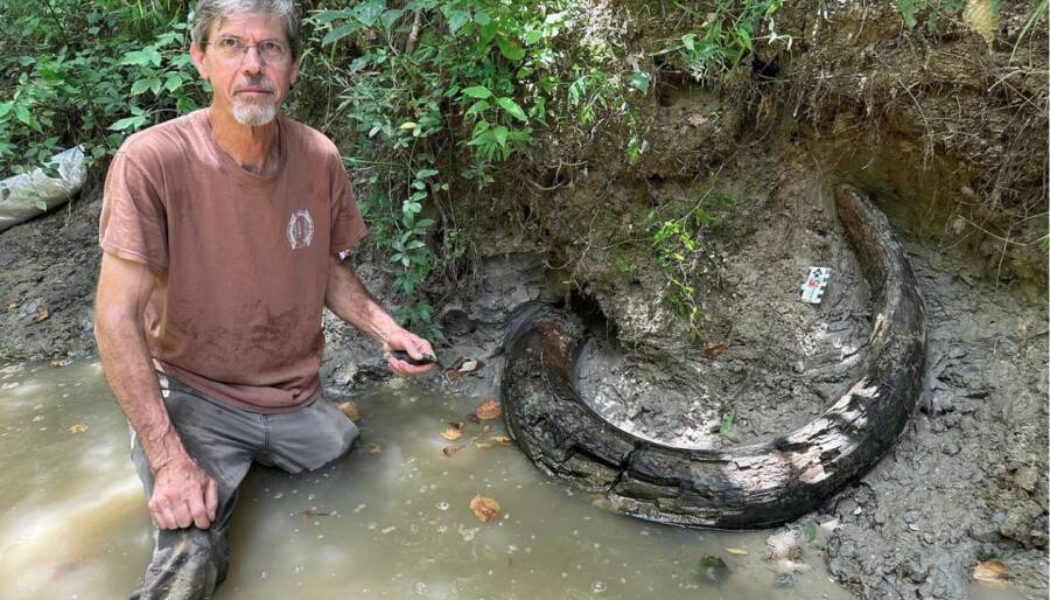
(133, 224)
(348, 227)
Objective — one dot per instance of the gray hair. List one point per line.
(209, 12)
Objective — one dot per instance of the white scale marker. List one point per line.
(817, 281)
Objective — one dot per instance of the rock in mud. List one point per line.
(1026, 478)
(713, 570)
(1022, 523)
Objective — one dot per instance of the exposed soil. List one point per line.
(48, 270)
(948, 137)
(770, 363)
(967, 480)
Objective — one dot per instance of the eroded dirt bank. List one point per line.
(945, 133)
(967, 481)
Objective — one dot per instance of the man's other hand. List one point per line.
(415, 346)
(183, 495)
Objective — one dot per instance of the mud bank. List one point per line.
(947, 135)
(967, 480)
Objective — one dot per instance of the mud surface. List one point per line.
(946, 134)
(48, 270)
(769, 362)
(968, 478)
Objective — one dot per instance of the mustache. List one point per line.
(258, 84)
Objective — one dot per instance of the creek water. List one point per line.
(390, 520)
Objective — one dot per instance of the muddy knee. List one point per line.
(187, 564)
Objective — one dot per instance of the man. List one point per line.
(223, 234)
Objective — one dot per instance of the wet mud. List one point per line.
(946, 135)
(769, 363)
(967, 480)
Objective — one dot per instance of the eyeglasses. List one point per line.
(235, 49)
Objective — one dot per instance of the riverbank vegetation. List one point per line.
(428, 99)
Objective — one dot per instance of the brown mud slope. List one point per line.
(945, 133)
(48, 270)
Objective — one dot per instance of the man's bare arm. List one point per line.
(348, 298)
(183, 493)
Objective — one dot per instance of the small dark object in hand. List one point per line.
(402, 355)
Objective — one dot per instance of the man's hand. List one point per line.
(347, 297)
(415, 346)
(183, 495)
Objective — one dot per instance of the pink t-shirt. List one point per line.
(242, 260)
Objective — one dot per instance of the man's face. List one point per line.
(248, 85)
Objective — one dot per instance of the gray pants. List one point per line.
(189, 563)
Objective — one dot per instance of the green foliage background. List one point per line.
(426, 98)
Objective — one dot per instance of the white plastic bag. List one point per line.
(23, 197)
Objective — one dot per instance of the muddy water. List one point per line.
(389, 521)
(73, 522)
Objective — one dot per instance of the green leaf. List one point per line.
(421, 5)
(390, 17)
(326, 17)
(477, 108)
(907, 8)
(811, 531)
(424, 173)
(500, 133)
(128, 123)
(511, 50)
(368, 12)
(173, 82)
(23, 115)
(456, 20)
(488, 33)
(339, 33)
(744, 37)
(40, 205)
(478, 91)
(639, 80)
(185, 105)
(5, 108)
(140, 86)
(689, 41)
(153, 55)
(135, 57)
(513, 109)
(576, 90)
(532, 37)
(727, 422)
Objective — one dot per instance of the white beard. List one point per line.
(254, 115)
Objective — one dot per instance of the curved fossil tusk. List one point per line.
(753, 486)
